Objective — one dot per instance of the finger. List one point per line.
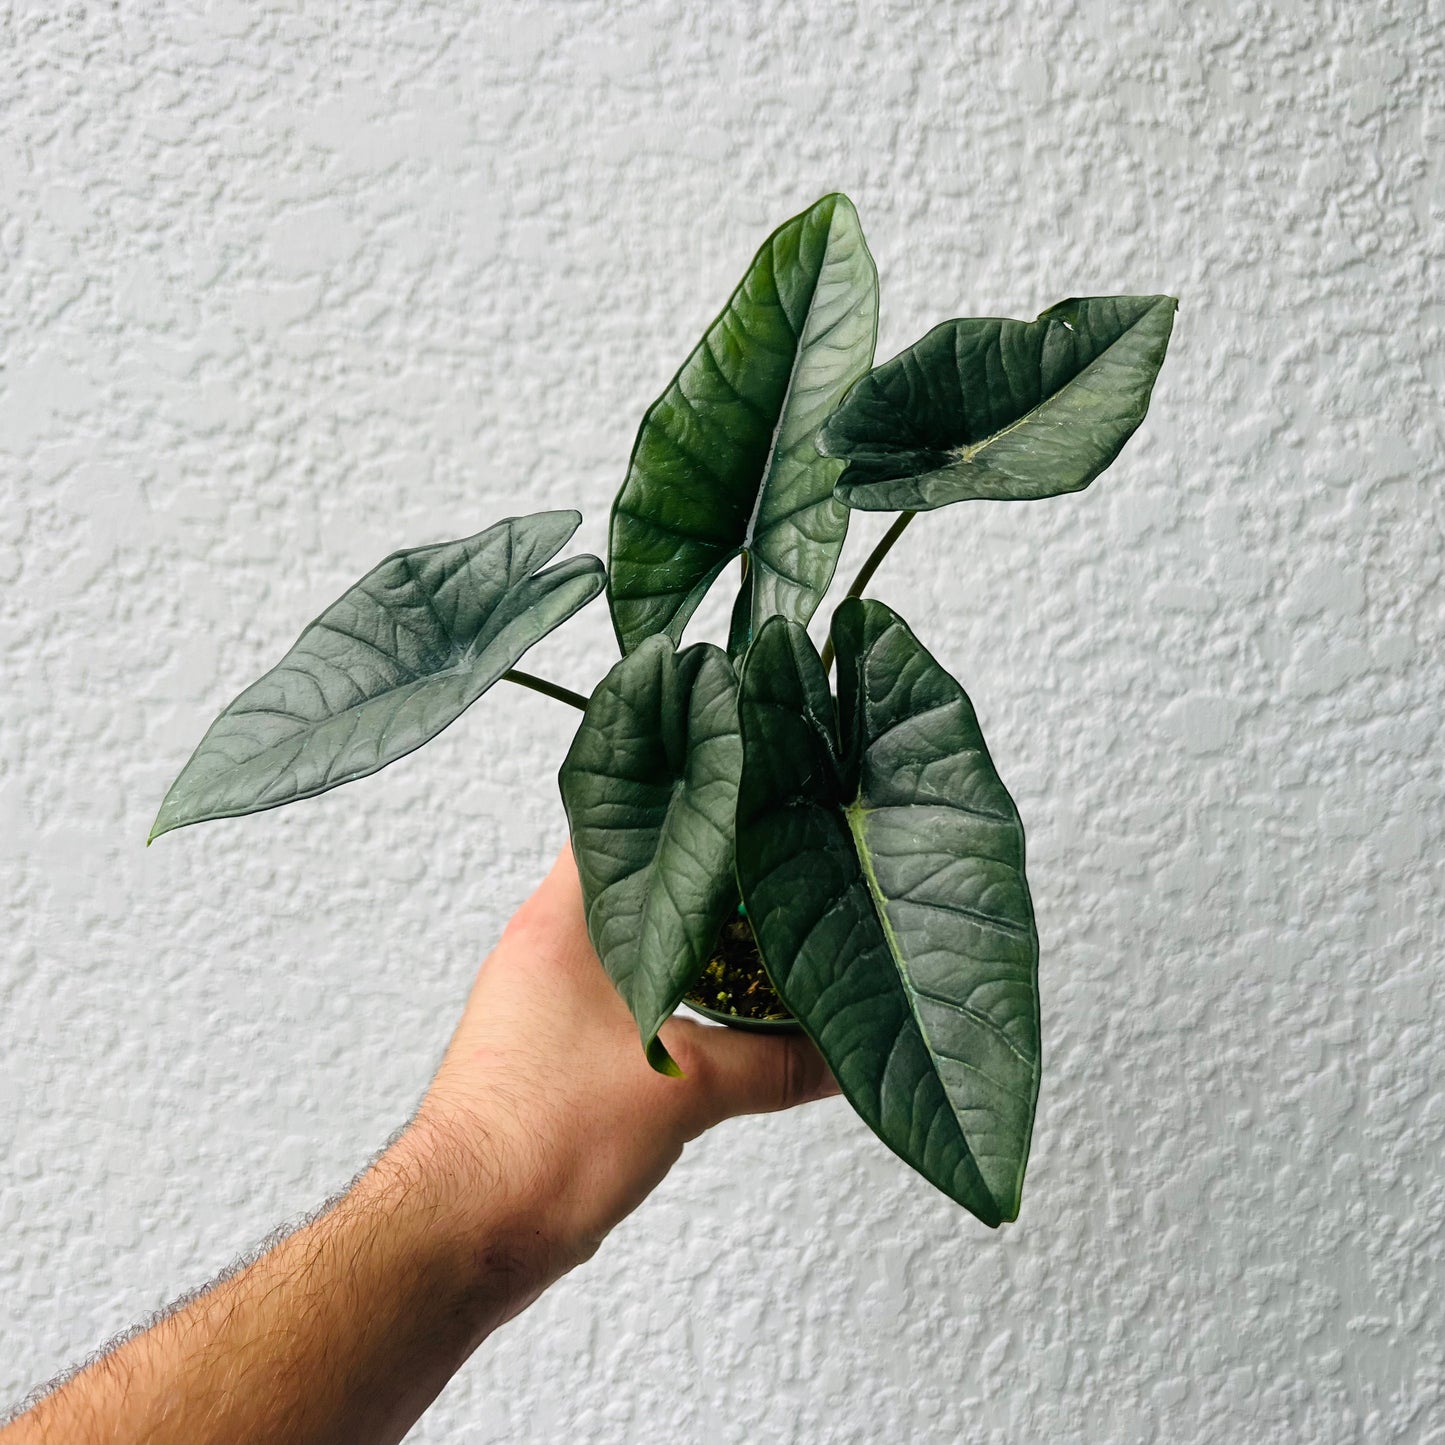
(738, 1072)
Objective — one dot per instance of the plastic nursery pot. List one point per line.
(737, 1021)
(734, 987)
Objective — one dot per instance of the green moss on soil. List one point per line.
(734, 980)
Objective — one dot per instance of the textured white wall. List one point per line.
(286, 287)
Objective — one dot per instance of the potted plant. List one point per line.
(775, 847)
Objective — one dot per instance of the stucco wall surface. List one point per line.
(288, 286)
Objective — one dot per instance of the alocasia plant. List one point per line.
(778, 849)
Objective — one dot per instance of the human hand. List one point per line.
(544, 1097)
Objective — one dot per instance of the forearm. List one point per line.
(346, 1330)
(543, 1128)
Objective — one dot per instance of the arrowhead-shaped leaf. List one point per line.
(650, 786)
(882, 864)
(726, 460)
(385, 668)
(1008, 410)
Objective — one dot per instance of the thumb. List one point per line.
(754, 1073)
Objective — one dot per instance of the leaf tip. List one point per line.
(661, 1060)
(159, 827)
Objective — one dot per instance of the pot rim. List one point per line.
(759, 1026)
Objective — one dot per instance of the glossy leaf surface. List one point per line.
(1006, 410)
(726, 460)
(650, 786)
(882, 864)
(385, 668)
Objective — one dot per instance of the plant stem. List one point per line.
(866, 571)
(547, 689)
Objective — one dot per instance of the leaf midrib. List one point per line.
(750, 532)
(966, 455)
(855, 812)
(402, 694)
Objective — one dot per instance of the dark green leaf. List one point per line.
(882, 864)
(385, 668)
(726, 460)
(650, 786)
(1009, 410)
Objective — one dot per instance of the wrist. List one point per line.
(483, 1237)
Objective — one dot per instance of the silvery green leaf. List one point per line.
(881, 860)
(650, 785)
(385, 668)
(726, 460)
(1004, 410)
